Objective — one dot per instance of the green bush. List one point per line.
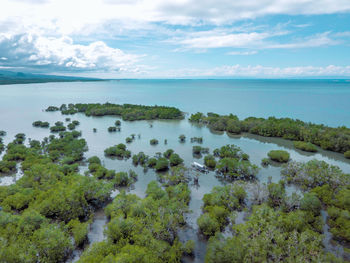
(94, 159)
(140, 158)
(233, 168)
(189, 247)
(52, 244)
(42, 124)
(208, 225)
(112, 129)
(153, 141)
(182, 138)
(347, 154)
(305, 146)
(118, 151)
(209, 161)
(7, 166)
(311, 203)
(71, 126)
(152, 162)
(79, 231)
(279, 156)
(265, 162)
(196, 149)
(175, 159)
(57, 128)
(168, 153)
(162, 164)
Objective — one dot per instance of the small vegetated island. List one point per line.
(128, 112)
(46, 214)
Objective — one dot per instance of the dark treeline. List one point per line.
(128, 112)
(328, 138)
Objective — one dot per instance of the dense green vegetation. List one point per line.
(328, 138)
(42, 124)
(175, 159)
(234, 164)
(73, 124)
(279, 156)
(119, 151)
(218, 205)
(283, 228)
(305, 146)
(162, 164)
(315, 173)
(209, 161)
(7, 167)
(159, 163)
(145, 230)
(117, 179)
(59, 127)
(47, 212)
(330, 185)
(277, 237)
(127, 112)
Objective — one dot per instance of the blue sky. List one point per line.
(177, 39)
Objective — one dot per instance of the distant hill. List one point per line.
(10, 77)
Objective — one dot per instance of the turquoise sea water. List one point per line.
(319, 101)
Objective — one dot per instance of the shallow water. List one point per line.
(20, 105)
(328, 244)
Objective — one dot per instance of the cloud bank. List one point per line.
(51, 53)
(72, 36)
(261, 71)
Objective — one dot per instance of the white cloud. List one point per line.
(40, 33)
(255, 40)
(79, 17)
(242, 53)
(261, 71)
(317, 40)
(61, 53)
(228, 40)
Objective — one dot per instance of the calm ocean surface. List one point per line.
(319, 101)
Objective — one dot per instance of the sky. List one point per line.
(177, 38)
